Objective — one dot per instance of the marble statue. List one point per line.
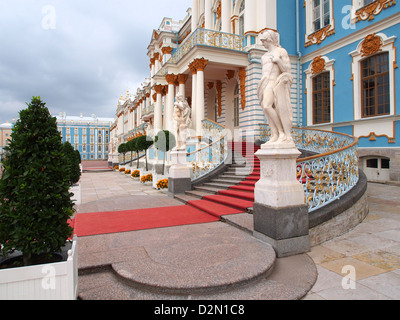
(182, 121)
(274, 90)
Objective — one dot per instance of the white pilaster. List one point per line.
(250, 16)
(195, 14)
(226, 16)
(208, 23)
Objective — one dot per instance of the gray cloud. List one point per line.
(79, 56)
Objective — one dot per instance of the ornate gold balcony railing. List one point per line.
(207, 38)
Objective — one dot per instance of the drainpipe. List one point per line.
(298, 61)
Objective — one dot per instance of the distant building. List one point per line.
(89, 135)
(5, 135)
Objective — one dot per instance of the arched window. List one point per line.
(375, 97)
(241, 18)
(321, 91)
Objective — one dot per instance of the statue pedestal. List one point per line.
(280, 214)
(179, 179)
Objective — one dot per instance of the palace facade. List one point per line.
(344, 68)
(89, 135)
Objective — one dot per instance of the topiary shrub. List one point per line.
(73, 160)
(143, 143)
(35, 203)
(164, 141)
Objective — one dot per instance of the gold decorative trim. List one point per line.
(219, 92)
(166, 50)
(230, 74)
(372, 137)
(371, 45)
(373, 9)
(318, 36)
(242, 78)
(182, 78)
(318, 65)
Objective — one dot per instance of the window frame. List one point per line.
(323, 91)
(310, 75)
(317, 36)
(387, 45)
(374, 77)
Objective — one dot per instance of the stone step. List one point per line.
(185, 198)
(226, 181)
(221, 185)
(232, 177)
(199, 193)
(290, 279)
(210, 189)
(219, 260)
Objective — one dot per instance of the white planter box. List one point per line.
(158, 177)
(52, 281)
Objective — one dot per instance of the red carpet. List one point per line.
(214, 208)
(88, 224)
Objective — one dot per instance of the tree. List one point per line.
(164, 141)
(132, 147)
(144, 143)
(73, 160)
(35, 203)
(122, 148)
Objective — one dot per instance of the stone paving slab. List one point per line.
(182, 259)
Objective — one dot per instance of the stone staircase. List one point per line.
(231, 190)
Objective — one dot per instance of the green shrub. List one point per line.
(35, 203)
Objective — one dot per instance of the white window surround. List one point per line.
(309, 85)
(368, 15)
(387, 46)
(316, 36)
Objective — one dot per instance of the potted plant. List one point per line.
(35, 210)
(146, 178)
(162, 184)
(135, 174)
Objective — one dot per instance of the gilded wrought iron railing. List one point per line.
(208, 38)
(329, 174)
(210, 157)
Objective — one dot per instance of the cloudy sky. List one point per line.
(77, 55)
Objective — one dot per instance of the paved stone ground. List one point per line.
(372, 249)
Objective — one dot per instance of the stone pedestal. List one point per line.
(280, 214)
(179, 179)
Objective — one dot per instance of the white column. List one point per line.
(170, 106)
(200, 65)
(199, 102)
(194, 100)
(195, 14)
(266, 10)
(250, 16)
(182, 78)
(140, 112)
(158, 110)
(208, 23)
(226, 15)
